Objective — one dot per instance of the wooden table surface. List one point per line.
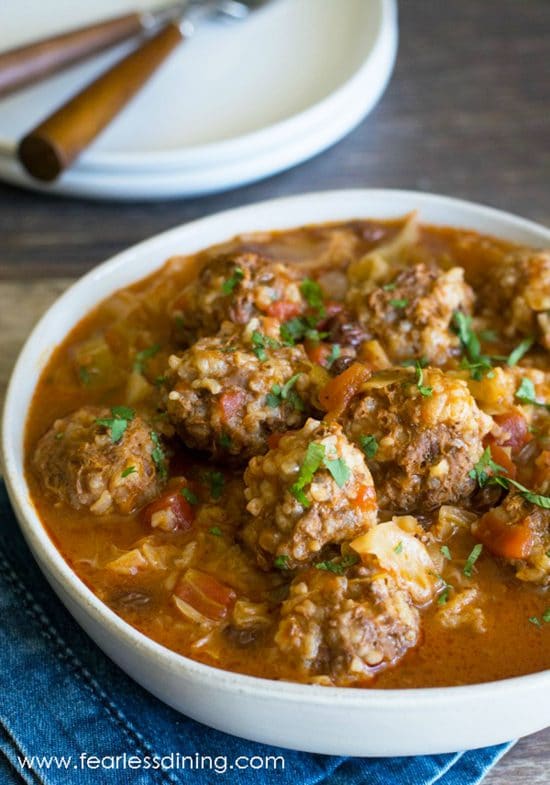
(467, 114)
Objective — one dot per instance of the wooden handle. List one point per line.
(54, 144)
(29, 64)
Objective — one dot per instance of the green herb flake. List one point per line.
(546, 616)
(401, 303)
(338, 567)
(299, 329)
(471, 560)
(280, 393)
(526, 394)
(59, 435)
(389, 287)
(485, 468)
(225, 441)
(339, 470)
(84, 375)
(521, 349)
(477, 363)
(369, 445)
(281, 562)
(422, 388)
(158, 456)
(229, 285)
(117, 424)
(335, 353)
(535, 620)
(313, 460)
(260, 343)
(313, 295)
(399, 547)
(189, 496)
(142, 357)
(535, 498)
(216, 531)
(444, 596)
(129, 470)
(216, 484)
(446, 552)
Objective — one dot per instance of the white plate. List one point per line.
(232, 105)
(318, 719)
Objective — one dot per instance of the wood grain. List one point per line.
(466, 114)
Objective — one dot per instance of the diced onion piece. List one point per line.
(402, 555)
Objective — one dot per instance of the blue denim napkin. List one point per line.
(63, 702)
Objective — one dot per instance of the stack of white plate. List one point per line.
(236, 103)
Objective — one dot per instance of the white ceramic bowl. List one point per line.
(318, 719)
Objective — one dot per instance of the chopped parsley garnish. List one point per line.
(339, 470)
(335, 353)
(59, 435)
(535, 620)
(422, 362)
(402, 303)
(229, 285)
(158, 456)
(216, 531)
(423, 389)
(315, 455)
(485, 469)
(142, 357)
(189, 496)
(117, 424)
(446, 552)
(225, 441)
(216, 483)
(535, 498)
(313, 295)
(389, 287)
(160, 380)
(128, 470)
(526, 394)
(369, 445)
(478, 364)
(338, 567)
(261, 342)
(84, 375)
(444, 596)
(315, 458)
(546, 616)
(280, 393)
(521, 349)
(399, 547)
(281, 562)
(299, 329)
(471, 560)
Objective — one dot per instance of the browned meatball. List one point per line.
(519, 532)
(227, 394)
(411, 316)
(518, 288)
(422, 432)
(344, 629)
(236, 289)
(100, 459)
(313, 489)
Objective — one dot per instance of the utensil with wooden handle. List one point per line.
(57, 141)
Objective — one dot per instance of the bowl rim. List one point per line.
(53, 564)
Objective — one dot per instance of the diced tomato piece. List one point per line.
(335, 396)
(501, 455)
(282, 310)
(317, 351)
(205, 594)
(502, 538)
(230, 403)
(169, 512)
(366, 498)
(516, 430)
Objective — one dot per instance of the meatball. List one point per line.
(236, 288)
(422, 432)
(411, 316)
(103, 460)
(518, 287)
(227, 394)
(519, 532)
(345, 629)
(313, 489)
